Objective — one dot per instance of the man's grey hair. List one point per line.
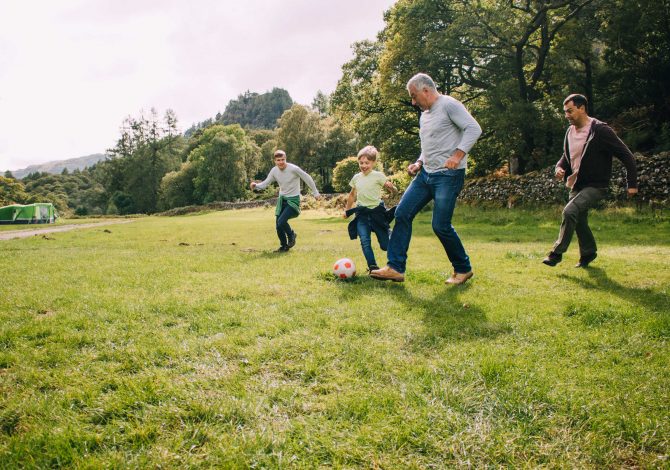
(421, 81)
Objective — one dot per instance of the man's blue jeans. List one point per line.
(364, 229)
(443, 188)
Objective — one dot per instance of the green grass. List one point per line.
(185, 342)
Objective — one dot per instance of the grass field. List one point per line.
(185, 342)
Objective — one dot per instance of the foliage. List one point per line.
(257, 110)
(512, 63)
(76, 192)
(223, 159)
(313, 142)
(146, 150)
(12, 192)
(177, 188)
(191, 345)
(635, 78)
(344, 170)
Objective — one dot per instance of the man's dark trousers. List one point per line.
(575, 219)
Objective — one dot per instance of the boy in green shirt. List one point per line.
(371, 215)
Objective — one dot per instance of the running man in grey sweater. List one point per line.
(287, 176)
(447, 132)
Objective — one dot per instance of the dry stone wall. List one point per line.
(540, 188)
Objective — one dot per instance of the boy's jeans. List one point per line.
(283, 228)
(575, 219)
(443, 188)
(364, 230)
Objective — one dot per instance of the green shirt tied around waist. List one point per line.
(292, 201)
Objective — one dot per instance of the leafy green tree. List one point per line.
(221, 159)
(339, 142)
(321, 103)
(257, 110)
(634, 82)
(344, 170)
(177, 187)
(12, 192)
(147, 149)
(492, 55)
(301, 136)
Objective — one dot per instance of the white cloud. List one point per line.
(72, 70)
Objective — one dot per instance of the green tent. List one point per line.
(38, 213)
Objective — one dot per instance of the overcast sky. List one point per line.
(72, 70)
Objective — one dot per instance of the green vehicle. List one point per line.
(38, 213)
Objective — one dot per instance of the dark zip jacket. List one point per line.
(379, 217)
(595, 170)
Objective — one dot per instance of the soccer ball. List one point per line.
(344, 268)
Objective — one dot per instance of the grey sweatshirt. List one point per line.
(445, 127)
(288, 180)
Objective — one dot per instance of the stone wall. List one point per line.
(535, 189)
(540, 188)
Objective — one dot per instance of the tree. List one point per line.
(301, 136)
(490, 54)
(221, 159)
(177, 188)
(321, 103)
(344, 170)
(12, 192)
(339, 142)
(257, 110)
(634, 82)
(147, 149)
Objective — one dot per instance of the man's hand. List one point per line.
(413, 169)
(632, 192)
(253, 185)
(455, 159)
(559, 173)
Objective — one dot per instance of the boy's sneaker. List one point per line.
(584, 261)
(291, 239)
(282, 249)
(552, 259)
(372, 267)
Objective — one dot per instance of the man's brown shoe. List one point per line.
(387, 273)
(459, 278)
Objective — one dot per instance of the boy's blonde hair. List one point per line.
(369, 152)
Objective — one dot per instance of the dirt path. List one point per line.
(63, 228)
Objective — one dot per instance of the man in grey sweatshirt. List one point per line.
(447, 132)
(287, 176)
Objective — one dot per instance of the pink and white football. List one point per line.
(344, 268)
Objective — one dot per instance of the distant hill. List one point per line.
(57, 167)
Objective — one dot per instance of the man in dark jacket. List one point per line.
(586, 168)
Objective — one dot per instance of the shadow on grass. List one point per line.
(446, 317)
(657, 302)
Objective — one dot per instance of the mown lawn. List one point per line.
(185, 342)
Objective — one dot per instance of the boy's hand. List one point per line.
(253, 185)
